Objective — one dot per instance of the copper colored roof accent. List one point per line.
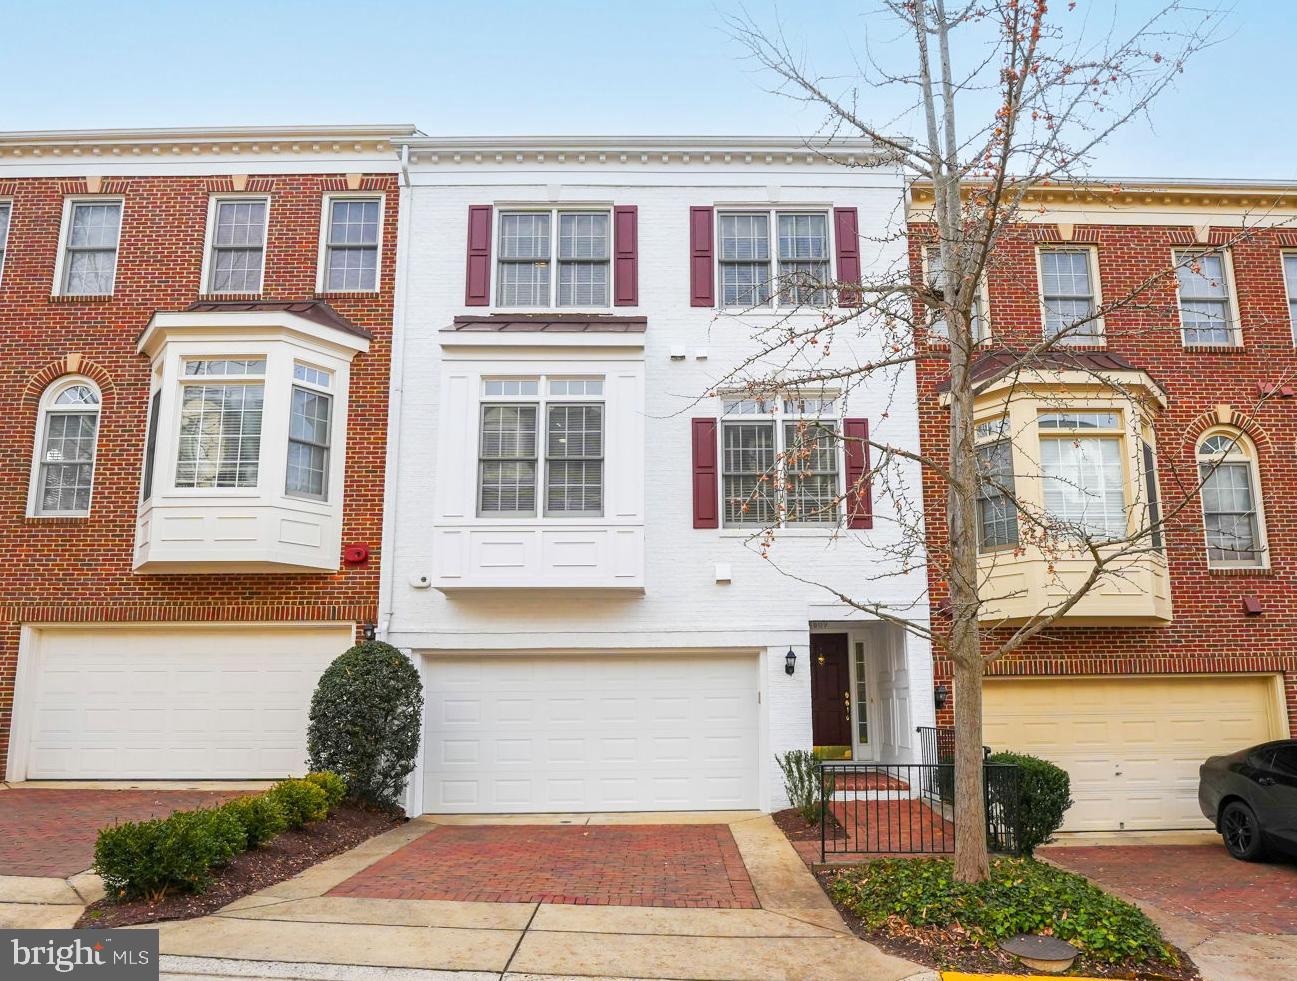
(536, 323)
(1091, 361)
(316, 311)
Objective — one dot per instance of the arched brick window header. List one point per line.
(1233, 419)
(71, 364)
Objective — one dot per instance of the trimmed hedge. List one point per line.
(148, 859)
(365, 719)
(1043, 799)
(1021, 896)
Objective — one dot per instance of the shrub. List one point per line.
(1021, 896)
(150, 858)
(1043, 799)
(334, 787)
(262, 817)
(300, 801)
(365, 718)
(805, 788)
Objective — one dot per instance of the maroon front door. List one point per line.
(830, 690)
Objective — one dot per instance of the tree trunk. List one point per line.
(971, 861)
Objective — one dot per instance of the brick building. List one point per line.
(1191, 651)
(196, 350)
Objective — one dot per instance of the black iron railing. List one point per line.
(909, 808)
(937, 744)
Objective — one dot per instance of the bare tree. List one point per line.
(1002, 97)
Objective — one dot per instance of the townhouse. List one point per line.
(196, 344)
(1189, 650)
(571, 555)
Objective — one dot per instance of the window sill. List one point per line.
(46, 519)
(1213, 348)
(227, 297)
(798, 531)
(1234, 571)
(345, 294)
(81, 297)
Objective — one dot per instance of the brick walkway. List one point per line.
(888, 827)
(1199, 882)
(52, 832)
(597, 865)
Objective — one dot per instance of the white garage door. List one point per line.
(1132, 746)
(590, 733)
(228, 702)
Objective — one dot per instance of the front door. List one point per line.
(831, 694)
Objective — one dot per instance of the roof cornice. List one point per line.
(640, 149)
(1116, 193)
(229, 139)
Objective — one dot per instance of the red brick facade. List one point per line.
(64, 570)
(1210, 632)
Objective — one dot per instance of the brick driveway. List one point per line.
(681, 865)
(52, 832)
(1200, 883)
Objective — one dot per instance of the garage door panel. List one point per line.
(174, 704)
(1131, 745)
(600, 732)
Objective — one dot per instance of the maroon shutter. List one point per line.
(477, 280)
(860, 506)
(706, 490)
(702, 290)
(846, 231)
(625, 253)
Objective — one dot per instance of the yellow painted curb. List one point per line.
(961, 976)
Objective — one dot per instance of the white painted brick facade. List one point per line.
(682, 606)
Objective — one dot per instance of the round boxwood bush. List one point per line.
(1044, 795)
(365, 718)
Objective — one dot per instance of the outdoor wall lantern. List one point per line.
(369, 631)
(940, 696)
(790, 661)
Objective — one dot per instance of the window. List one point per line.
(308, 433)
(745, 259)
(150, 446)
(510, 449)
(1204, 299)
(237, 245)
(783, 466)
(997, 512)
(583, 247)
(351, 244)
(90, 253)
(862, 694)
(5, 208)
(1230, 502)
(220, 423)
(1154, 496)
(937, 329)
(1068, 295)
(1083, 476)
(65, 450)
(1290, 280)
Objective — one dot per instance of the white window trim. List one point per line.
(326, 210)
(500, 210)
(773, 213)
(43, 410)
(1231, 298)
(328, 392)
(176, 397)
(65, 229)
(4, 243)
(984, 296)
(542, 400)
(1246, 448)
(1099, 325)
(1120, 432)
(209, 242)
(1284, 254)
(778, 418)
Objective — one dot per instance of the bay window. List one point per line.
(780, 462)
(997, 512)
(221, 406)
(512, 444)
(309, 433)
(1083, 475)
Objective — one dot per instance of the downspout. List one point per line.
(395, 387)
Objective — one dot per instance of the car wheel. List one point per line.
(1242, 832)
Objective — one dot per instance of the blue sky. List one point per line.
(562, 66)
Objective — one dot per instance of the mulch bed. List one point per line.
(953, 950)
(279, 859)
(792, 824)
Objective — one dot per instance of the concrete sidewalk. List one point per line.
(294, 930)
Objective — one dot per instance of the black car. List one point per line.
(1251, 797)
